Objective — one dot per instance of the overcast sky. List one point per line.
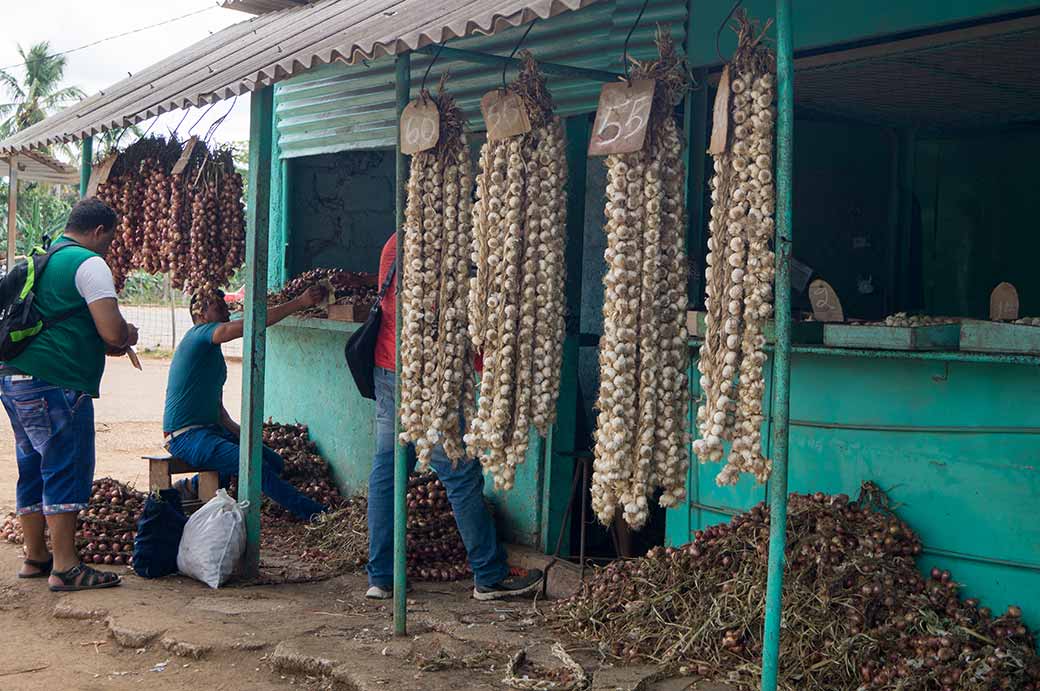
(69, 24)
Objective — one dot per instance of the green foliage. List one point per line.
(42, 209)
(35, 91)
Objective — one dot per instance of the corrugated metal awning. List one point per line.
(266, 49)
(261, 6)
(35, 166)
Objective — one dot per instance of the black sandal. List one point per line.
(82, 577)
(43, 568)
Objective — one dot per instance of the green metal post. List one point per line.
(258, 218)
(402, 85)
(562, 441)
(86, 162)
(286, 222)
(695, 126)
(782, 355)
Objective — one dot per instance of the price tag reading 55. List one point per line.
(622, 117)
(420, 126)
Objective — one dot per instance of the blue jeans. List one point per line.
(215, 448)
(54, 445)
(464, 485)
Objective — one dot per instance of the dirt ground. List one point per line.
(175, 633)
(128, 418)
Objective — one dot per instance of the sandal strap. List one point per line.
(90, 576)
(38, 564)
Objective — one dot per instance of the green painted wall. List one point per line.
(819, 23)
(954, 444)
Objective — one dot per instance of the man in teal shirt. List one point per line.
(48, 393)
(197, 426)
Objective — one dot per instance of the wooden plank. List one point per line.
(12, 211)
(255, 338)
(350, 312)
(940, 337)
(997, 337)
(158, 475)
(209, 483)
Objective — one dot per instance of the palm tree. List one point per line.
(38, 94)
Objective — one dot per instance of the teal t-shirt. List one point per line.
(196, 383)
(69, 354)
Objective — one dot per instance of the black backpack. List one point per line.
(20, 319)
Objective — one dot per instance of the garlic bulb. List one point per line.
(739, 281)
(641, 443)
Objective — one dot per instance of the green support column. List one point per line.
(782, 362)
(562, 441)
(85, 163)
(402, 85)
(258, 217)
(286, 223)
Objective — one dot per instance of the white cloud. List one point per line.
(69, 24)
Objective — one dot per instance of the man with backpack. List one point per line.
(48, 387)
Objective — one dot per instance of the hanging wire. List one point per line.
(175, 130)
(219, 121)
(722, 26)
(505, 65)
(154, 120)
(422, 87)
(201, 118)
(628, 38)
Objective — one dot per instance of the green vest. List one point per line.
(69, 354)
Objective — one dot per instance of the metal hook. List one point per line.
(155, 120)
(631, 31)
(220, 121)
(422, 86)
(505, 65)
(718, 34)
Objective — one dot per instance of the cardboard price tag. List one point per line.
(182, 162)
(420, 126)
(622, 117)
(99, 174)
(720, 117)
(826, 306)
(1003, 303)
(504, 114)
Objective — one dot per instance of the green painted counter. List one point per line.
(954, 438)
(308, 382)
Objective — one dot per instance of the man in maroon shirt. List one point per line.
(492, 576)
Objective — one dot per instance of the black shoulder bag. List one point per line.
(360, 350)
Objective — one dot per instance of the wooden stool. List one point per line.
(161, 470)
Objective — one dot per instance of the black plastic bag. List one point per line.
(159, 534)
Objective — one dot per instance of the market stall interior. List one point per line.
(908, 189)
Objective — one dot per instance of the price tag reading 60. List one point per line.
(420, 126)
(622, 117)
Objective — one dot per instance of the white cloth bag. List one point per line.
(214, 541)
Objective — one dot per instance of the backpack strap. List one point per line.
(51, 251)
(386, 282)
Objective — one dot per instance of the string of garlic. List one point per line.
(640, 440)
(739, 275)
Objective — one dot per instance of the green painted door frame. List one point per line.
(258, 217)
(86, 161)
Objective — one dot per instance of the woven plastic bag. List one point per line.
(214, 541)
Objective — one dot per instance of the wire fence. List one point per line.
(161, 327)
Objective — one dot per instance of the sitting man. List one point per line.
(198, 428)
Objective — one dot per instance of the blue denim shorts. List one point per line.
(54, 438)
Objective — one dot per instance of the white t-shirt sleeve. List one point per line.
(94, 280)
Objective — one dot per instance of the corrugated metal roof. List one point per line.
(34, 166)
(341, 107)
(278, 45)
(261, 6)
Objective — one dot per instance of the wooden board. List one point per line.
(350, 312)
(622, 116)
(802, 332)
(420, 126)
(825, 303)
(1003, 303)
(998, 337)
(720, 116)
(942, 337)
(505, 115)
